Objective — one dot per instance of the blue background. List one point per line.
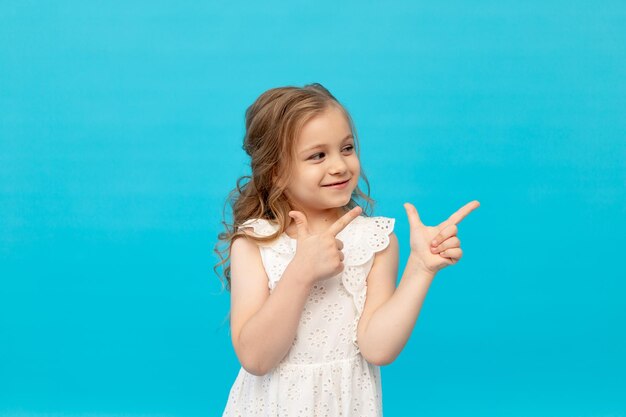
(121, 126)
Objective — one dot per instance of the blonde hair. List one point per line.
(273, 123)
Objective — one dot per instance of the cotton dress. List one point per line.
(323, 373)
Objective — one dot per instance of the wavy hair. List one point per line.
(273, 123)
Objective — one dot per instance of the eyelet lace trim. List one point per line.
(362, 238)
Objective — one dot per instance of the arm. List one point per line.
(263, 325)
(390, 313)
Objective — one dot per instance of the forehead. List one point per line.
(326, 128)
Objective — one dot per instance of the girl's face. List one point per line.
(326, 170)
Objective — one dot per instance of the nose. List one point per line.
(338, 165)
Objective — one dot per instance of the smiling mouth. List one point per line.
(336, 183)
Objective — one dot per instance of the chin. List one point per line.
(334, 205)
(345, 202)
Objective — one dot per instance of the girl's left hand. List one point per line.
(446, 249)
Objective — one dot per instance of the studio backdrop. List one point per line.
(121, 126)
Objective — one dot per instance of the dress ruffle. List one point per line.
(363, 238)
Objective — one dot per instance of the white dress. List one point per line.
(324, 373)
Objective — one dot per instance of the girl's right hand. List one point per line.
(320, 255)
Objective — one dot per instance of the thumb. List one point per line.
(414, 217)
(301, 223)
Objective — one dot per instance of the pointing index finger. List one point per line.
(460, 214)
(344, 220)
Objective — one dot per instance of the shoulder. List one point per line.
(377, 223)
(377, 231)
(258, 227)
(243, 247)
(264, 234)
(367, 236)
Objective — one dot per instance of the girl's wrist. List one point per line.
(418, 267)
(303, 273)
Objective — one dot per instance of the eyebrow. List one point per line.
(349, 136)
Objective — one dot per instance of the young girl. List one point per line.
(314, 306)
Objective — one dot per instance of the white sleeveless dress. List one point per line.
(324, 373)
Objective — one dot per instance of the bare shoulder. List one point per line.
(244, 248)
(243, 241)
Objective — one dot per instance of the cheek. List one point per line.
(311, 178)
(355, 166)
(306, 178)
